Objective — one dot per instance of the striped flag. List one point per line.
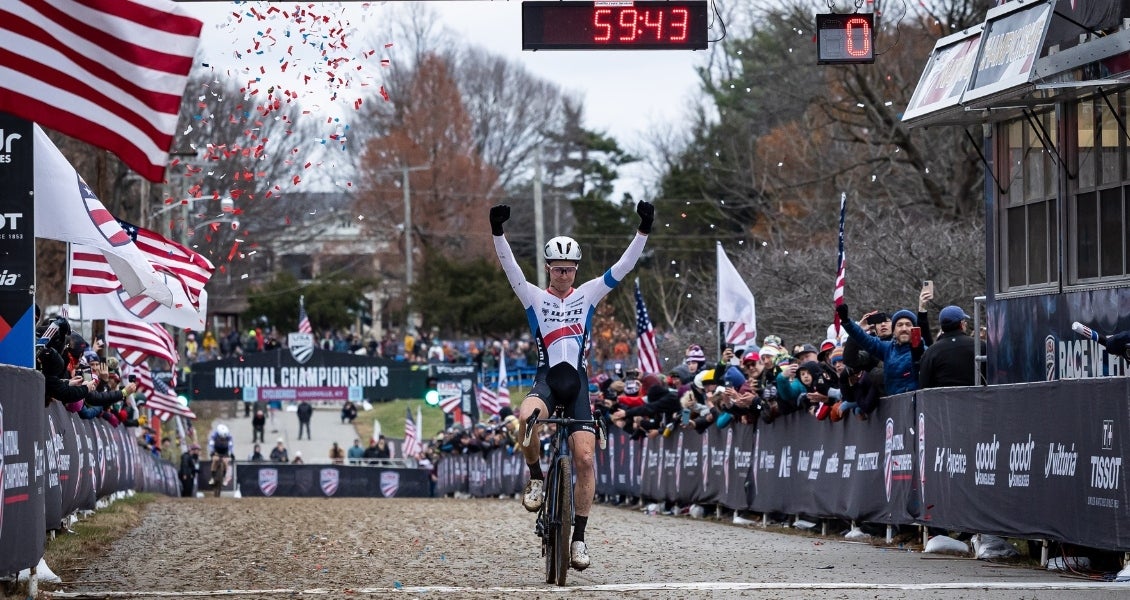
(488, 400)
(101, 295)
(736, 308)
(411, 445)
(158, 397)
(187, 266)
(645, 337)
(108, 72)
(838, 293)
(303, 319)
(136, 341)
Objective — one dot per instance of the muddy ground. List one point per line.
(486, 548)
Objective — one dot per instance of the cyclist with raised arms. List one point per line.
(560, 317)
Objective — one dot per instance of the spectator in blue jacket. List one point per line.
(900, 361)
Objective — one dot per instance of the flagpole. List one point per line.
(719, 328)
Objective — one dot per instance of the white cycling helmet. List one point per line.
(563, 248)
(222, 430)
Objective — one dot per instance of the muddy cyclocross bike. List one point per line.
(555, 517)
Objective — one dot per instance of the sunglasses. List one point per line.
(562, 271)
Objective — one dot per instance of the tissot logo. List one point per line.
(6, 140)
(10, 221)
(1105, 471)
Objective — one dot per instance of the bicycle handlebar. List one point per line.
(602, 437)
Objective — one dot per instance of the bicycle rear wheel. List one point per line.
(563, 528)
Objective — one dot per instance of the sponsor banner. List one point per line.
(1030, 339)
(1045, 460)
(23, 466)
(277, 371)
(483, 475)
(456, 382)
(339, 481)
(853, 469)
(17, 242)
(298, 394)
(55, 421)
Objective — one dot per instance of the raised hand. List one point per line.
(499, 214)
(646, 211)
(842, 311)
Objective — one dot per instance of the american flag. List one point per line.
(159, 398)
(108, 72)
(91, 273)
(303, 320)
(191, 268)
(411, 445)
(492, 401)
(136, 341)
(645, 337)
(838, 294)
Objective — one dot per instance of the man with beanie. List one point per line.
(949, 361)
(900, 361)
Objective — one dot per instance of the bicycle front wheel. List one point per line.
(564, 516)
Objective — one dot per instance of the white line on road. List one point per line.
(634, 587)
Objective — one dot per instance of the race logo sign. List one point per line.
(329, 479)
(268, 481)
(301, 346)
(390, 483)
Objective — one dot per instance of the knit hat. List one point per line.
(695, 354)
(837, 354)
(904, 314)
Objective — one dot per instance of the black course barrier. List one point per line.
(52, 463)
(338, 481)
(1033, 461)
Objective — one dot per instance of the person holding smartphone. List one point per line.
(900, 358)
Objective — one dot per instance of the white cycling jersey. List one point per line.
(562, 326)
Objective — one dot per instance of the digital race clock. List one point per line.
(844, 39)
(614, 25)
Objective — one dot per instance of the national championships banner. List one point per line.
(322, 375)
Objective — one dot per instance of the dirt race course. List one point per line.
(447, 548)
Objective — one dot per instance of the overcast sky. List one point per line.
(626, 93)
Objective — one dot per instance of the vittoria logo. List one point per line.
(1061, 461)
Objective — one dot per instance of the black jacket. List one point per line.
(189, 466)
(948, 362)
(304, 411)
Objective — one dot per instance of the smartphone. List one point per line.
(928, 285)
(86, 376)
(915, 337)
(132, 378)
(686, 416)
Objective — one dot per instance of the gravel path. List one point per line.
(447, 548)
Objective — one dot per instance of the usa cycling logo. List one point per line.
(390, 483)
(301, 346)
(888, 458)
(268, 481)
(329, 479)
(107, 225)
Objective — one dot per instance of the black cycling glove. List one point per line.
(499, 214)
(646, 211)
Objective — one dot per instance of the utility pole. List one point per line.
(539, 221)
(409, 278)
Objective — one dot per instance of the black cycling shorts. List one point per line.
(578, 407)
